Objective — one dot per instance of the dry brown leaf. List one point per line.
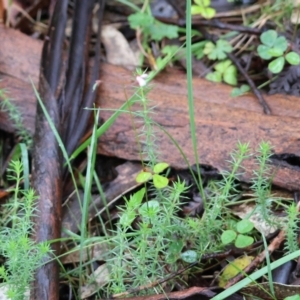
(98, 279)
(118, 51)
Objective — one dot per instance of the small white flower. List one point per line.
(141, 79)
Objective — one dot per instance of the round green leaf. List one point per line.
(225, 45)
(244, 88)
(236, 92)
(293, 58)
(276, 65)
(244, 226)
(196, 10)
(228, 236)
(230, 75)
(208, 12)
(148, 209)
(175, 247)
(202, 2)
(160, 167)
(160, 181)
(209, 47)
(214, 76)
(140, 19)
(281, 43)
(189, 256)
(275, 52)
(263, 52)
(243, 241)
(269, 37)
(222, 65)
(143, 177)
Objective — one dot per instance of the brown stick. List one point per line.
(47, 157)
(47, 183)
(63, 108)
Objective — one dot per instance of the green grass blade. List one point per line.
(87, 190)
(190, 92)
(25, 162)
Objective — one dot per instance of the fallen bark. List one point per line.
(222, 121)
(47, 184)
(47, 158)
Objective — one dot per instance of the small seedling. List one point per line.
(158, 180)
(202, 7)
(238, 237)
(217, 51)
(274, 46)
(132, 206)
(225, 71)
(239, 91)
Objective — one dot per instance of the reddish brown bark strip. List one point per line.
(221, 119)
(47, 167)
(63, 105)
(47, 183)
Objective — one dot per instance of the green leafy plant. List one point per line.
(274, 46)
(217, 51)
(139, 254)
(158, 180)
(238, 91)
(261, 182)
(202, 7)
(292, 227)
(224, 71)
(154, 221)
(151, 27)
(14, 114)
(222, 191)
(149, 240)
(132, 206)
(22, 255)
(238, 235)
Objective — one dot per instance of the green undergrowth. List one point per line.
(147, 238)
(151, 240)
(7, 105)
(22, 255)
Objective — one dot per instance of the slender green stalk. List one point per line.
(87, 190)
(190, 93)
